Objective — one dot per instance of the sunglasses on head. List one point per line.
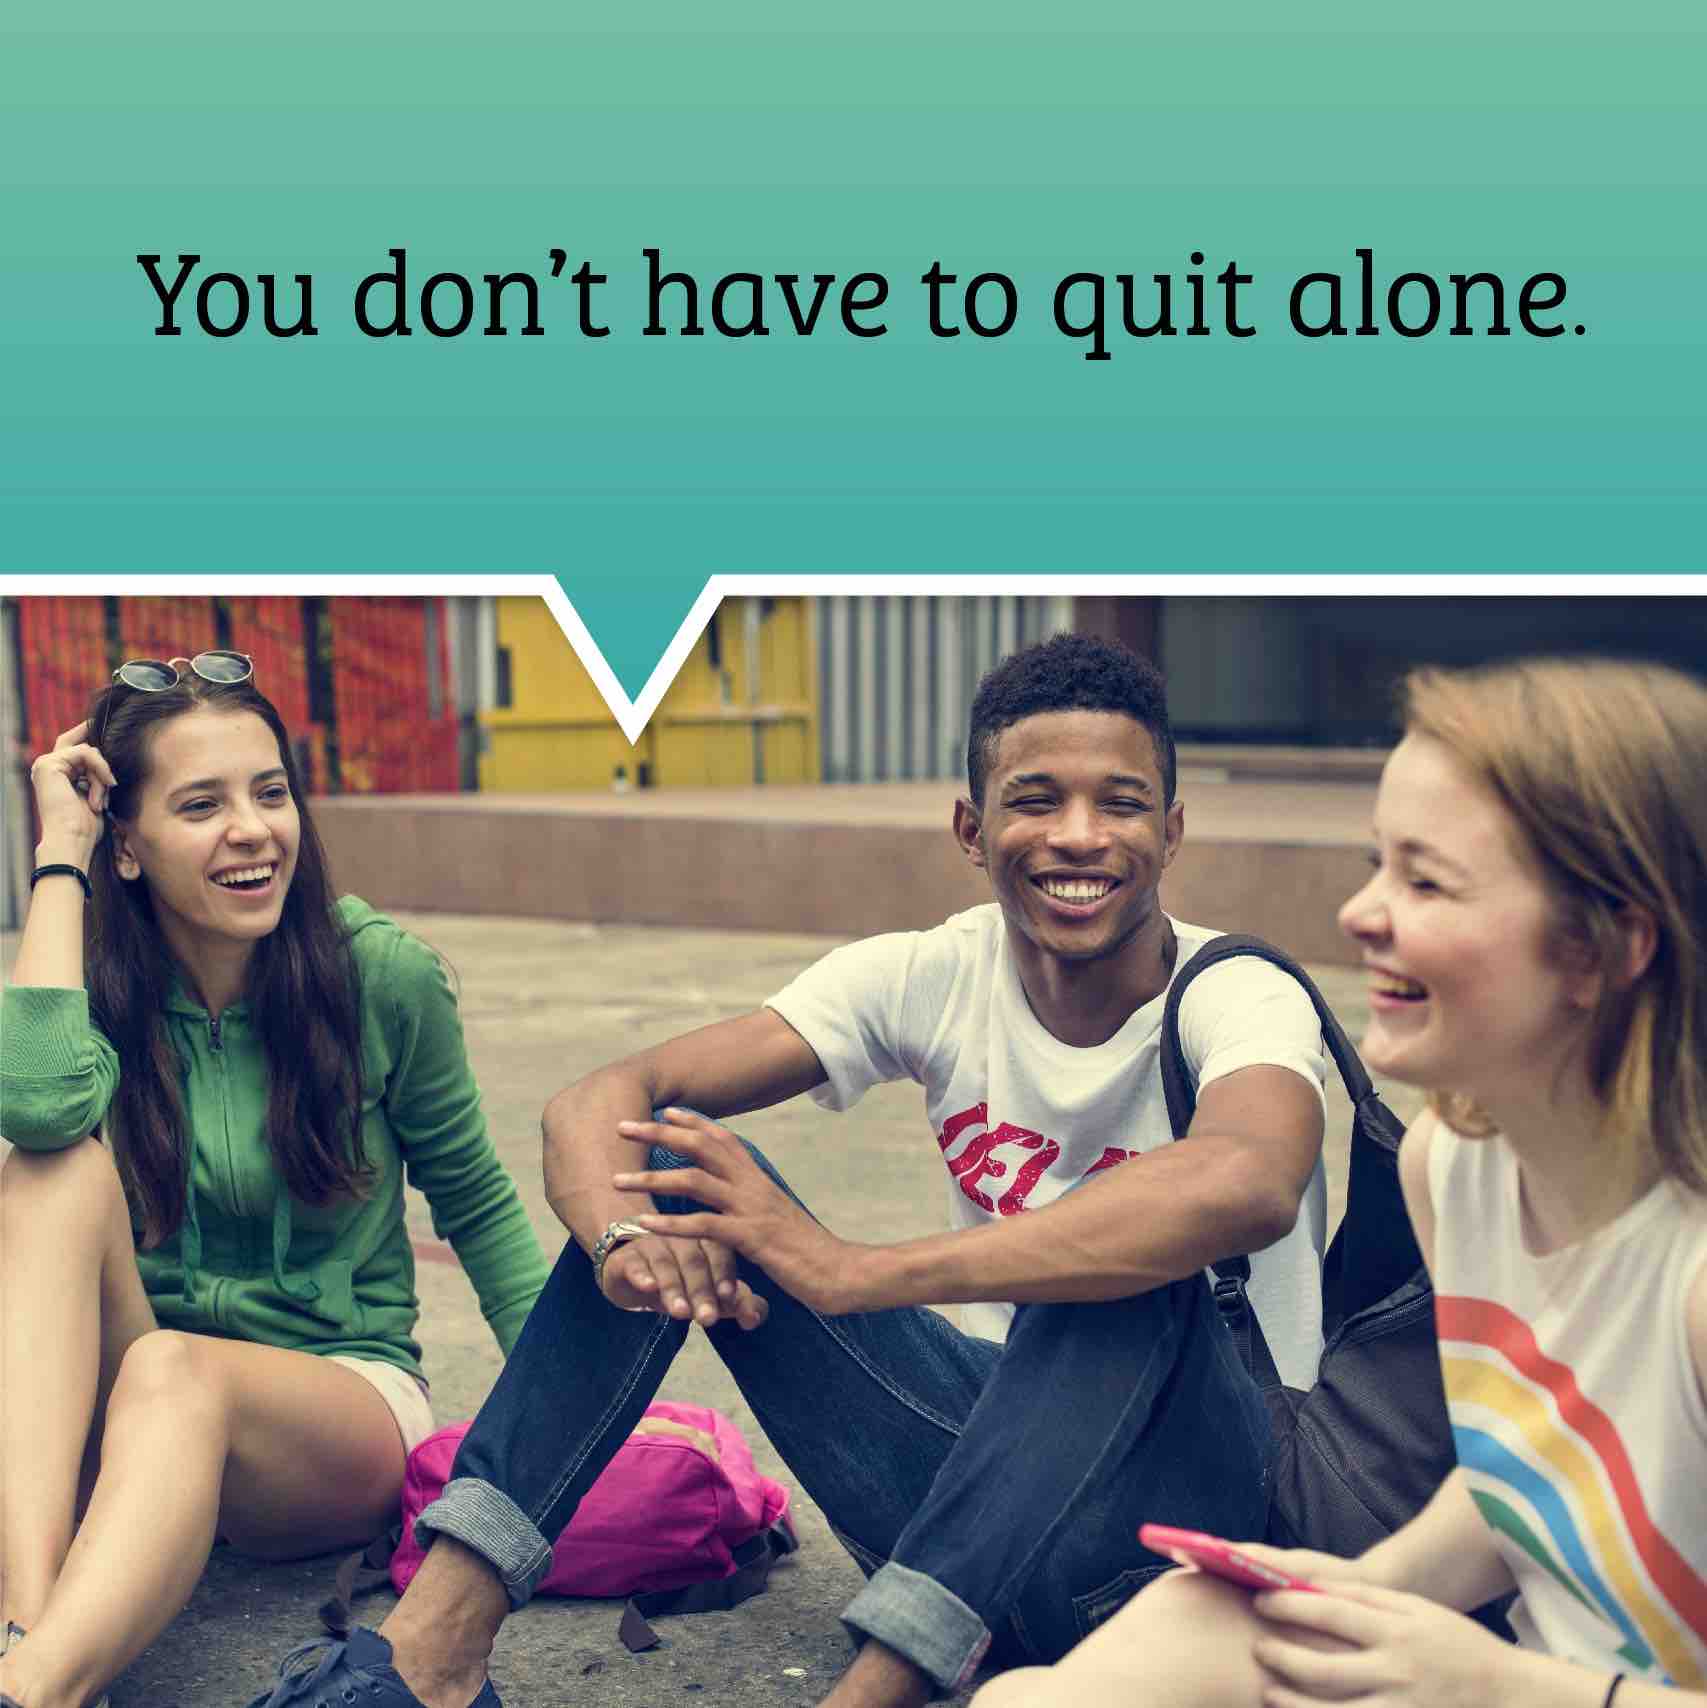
(155, 676)
(152, 676)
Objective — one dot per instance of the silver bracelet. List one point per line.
(618, 1233)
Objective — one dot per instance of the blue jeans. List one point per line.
(992, 1494)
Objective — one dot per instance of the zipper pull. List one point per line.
(213, 1034)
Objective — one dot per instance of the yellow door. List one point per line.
(742, 709)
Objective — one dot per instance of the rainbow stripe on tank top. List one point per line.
(1551, 1475)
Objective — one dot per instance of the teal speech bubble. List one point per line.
(1068, 166)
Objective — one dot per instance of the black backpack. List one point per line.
(1362, 1451)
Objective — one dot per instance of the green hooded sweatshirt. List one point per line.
(249, 1261)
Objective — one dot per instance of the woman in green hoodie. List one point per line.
(217, 1078)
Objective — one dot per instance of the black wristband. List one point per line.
(76, 872)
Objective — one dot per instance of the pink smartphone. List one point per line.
(1211, 1554)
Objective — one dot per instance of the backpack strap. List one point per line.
(348, 1585)
(1176, 1076)
(753, 1561)
(1233, 1274)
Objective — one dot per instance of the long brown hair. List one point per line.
(1600, 764)
(302, 988)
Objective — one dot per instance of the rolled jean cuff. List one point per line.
(485, 1519)
(922, 1622)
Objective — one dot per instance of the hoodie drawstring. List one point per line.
(304, 1289)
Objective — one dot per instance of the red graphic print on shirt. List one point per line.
(1107, 1160)
(975, 1161)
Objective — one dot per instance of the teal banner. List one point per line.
(786, 291)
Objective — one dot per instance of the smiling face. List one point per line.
(214, 834)
(1469, 990)
(1074, 834)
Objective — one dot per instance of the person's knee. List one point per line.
(1183, 1640)
(1189, 1596)
(77, 1189)
(1024, 1687)
(166, 1371)
(1191, 1605)
(661, 1157)
(1186, 1635)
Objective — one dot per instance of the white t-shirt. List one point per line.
(1021, 1118)
(1576, 1412)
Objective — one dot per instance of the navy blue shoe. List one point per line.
(333, 1673)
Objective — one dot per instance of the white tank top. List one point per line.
(1577, 1414)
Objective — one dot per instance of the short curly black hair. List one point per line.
(1068, 673)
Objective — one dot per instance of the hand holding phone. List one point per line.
(1222, 1559)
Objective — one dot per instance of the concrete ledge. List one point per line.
(1294, 764)
(1271, 857)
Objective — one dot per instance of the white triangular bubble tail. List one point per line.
(632, 716)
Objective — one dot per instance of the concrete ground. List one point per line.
(543, 1003)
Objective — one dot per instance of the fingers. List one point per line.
(72, 744)
(682, 1278)
(716, 1179)
(1283, 1559)
(94, 781)
(699, 1285)
(1334, 1610)
(83, 766)
(682, 1182)
(722, 1264)
(1306, 1563)
(700, 1226)
(1386, 1601)
(748, 1309)
(1316, 1675)
(627, 1273)
(703, 1246)
(661, 1263)
(712, 1289)
(1278, 1696)
(687, 1134)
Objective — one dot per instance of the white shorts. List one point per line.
(404, 1395)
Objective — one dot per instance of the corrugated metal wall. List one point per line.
(897, 673)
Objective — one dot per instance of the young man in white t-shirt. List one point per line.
(991, 1487)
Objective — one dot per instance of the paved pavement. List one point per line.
(543, 1003)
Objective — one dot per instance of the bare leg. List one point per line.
(1183, 1642)
(441, 1632)
(287, 1453)
(71, 1304)
(880, 1678)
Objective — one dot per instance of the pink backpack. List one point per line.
(680, 1521)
